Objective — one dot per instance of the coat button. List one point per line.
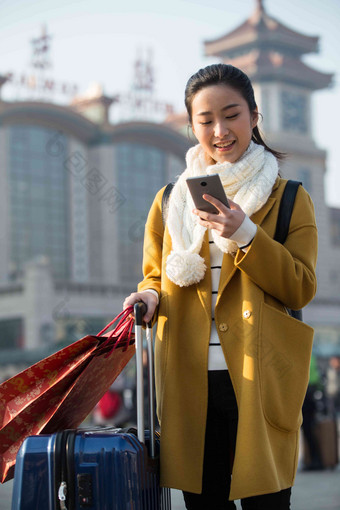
(223, 326)
(246, 314)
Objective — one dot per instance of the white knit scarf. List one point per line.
(248, 182)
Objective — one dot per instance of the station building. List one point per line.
(75, 190)
(74, 197)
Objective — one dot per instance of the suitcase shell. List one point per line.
(326, 433)
(97, 469)
(108, 469)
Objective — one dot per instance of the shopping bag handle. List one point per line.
(123, 315)
(123, 330)
(139, 309)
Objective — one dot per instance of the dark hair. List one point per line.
(225, 74)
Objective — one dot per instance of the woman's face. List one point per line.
(222, 122)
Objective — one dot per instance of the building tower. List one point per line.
(270, 54)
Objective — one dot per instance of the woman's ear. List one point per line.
(255, 118)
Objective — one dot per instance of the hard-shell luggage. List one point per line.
(327, 437)
(97, 469)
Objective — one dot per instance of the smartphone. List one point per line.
(210, 185)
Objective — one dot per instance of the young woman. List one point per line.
(231, 363)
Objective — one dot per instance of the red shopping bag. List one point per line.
(70, 397)
(29, 385)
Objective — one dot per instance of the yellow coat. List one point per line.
(266, 350)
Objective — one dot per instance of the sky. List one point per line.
(98, 41)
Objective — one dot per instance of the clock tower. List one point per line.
(270, 54)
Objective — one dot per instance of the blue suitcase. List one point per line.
(97, 469)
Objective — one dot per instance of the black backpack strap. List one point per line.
(283, 221)
(165, 201)
(285, 211)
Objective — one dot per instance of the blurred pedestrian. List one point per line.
(111, 409)
(309, 413)
(231, 363)
(333, 383)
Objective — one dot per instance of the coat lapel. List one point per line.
(204, 286)
(228, 267)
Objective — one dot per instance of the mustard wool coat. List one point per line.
(266, 350)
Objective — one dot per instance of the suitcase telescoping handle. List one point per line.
(140, 310)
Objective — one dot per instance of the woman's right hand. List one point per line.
(148, 298)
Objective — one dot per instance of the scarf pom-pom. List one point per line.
(185, 268)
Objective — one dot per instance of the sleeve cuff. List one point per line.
(154, 292)
(245, 232)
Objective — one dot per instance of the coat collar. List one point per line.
(228, 267)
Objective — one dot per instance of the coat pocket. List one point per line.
(285, 349)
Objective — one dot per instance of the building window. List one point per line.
(141, 171)
(304, 175)
(38, 186)
(335, 226)
(11, 334)
(294, 112)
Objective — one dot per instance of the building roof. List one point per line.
(68, 121)
(51, 116)
(267, 50)
(267, 65)
(163, 136)
(261, 30)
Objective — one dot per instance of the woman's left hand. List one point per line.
(226, 222)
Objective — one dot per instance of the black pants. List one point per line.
(308, 426)
(220, 441)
